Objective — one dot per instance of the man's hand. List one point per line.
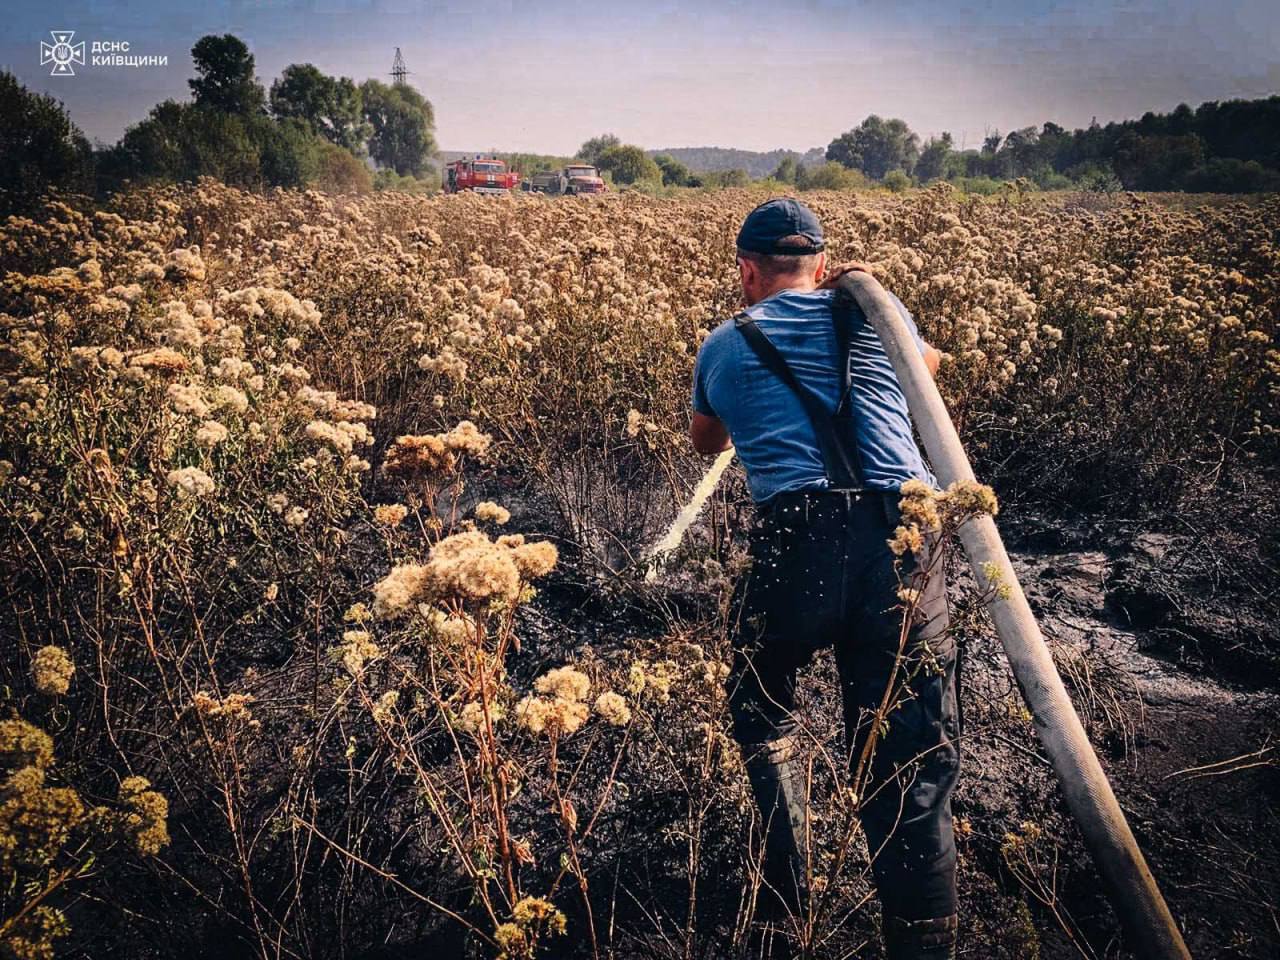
(840, 269)
(931, 359)
(708, 434)
(931, 356)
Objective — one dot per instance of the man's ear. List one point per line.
(749, 274)
(821, 271)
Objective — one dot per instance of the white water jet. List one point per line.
(684, 519)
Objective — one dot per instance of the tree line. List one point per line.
(309, 129)
(1218, 147)
(312, 129)
(756, 164)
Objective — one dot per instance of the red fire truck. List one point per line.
(479, 175)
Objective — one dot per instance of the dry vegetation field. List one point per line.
(325, 627)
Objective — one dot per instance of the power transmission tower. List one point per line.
(398, 70)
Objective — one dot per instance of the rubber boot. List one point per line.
(778, 786)
(921, 939)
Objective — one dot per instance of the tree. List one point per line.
(225, 80)
(592, 150)
(991, 162)
(932, 164)
(331, 105)
(288, 151)
(1156, 162)
(1055, 146)
(1020, 155)
(182, 141)
(150, 149)
(787, 170)
(41, 147)
(628, 164)
(1182, 121)
(403, 125)
(1230, 175)
(876, 146)
(674, 173)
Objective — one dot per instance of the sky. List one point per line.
(543, 76)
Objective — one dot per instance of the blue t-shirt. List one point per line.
(772, 433)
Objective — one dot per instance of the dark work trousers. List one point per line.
(822, 574)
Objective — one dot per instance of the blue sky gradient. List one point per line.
(544, 76)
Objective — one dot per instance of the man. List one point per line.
(826, 448)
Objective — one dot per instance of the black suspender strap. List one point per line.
(839, 453)
(848, 319)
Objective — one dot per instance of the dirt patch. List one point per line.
(1190, 752)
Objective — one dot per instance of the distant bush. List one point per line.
(831, 176)
(185, 141)
(980, 186)
(390, 180)
(1051, 180)
(773, 185)
(720, 179)
(896, 180)
(649, 187)
(1095, 178)
(787, 171)
(339, 171)
(527, 164)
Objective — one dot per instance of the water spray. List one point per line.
(688, 513)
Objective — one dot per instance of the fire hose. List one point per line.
(1141, 908)
(1142, 911)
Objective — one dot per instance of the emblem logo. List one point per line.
(62, 53)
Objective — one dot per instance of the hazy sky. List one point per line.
(543, 76)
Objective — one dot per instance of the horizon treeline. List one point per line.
(1219, 147)
(310, 129)
(1228, 146)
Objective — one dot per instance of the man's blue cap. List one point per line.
(774, 220)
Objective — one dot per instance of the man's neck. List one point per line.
(793, 284)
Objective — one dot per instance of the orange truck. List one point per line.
(581, 178)
(479, 175)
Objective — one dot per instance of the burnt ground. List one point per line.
(1168, 646)
(1183, 726)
